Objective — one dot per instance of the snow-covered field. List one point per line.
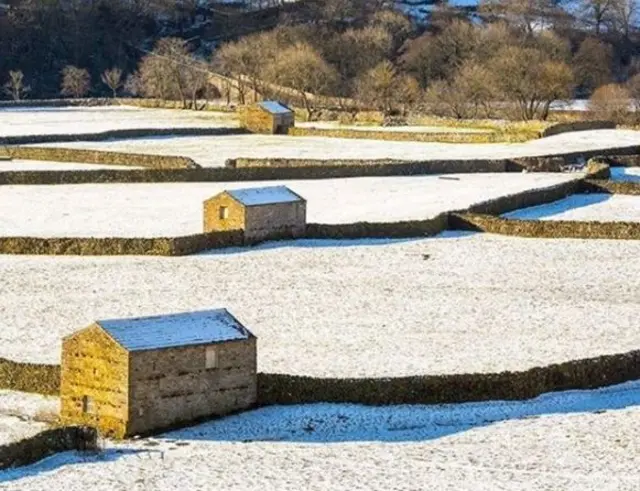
(212, 151)
(72, 120)
(22, 414)
(585, 207)
(625, 174)
(353, 308)
(13, 165)
(574, 441)
(152, 210)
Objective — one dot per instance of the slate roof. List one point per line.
(267, 195)
(274, 107)
(174, 330)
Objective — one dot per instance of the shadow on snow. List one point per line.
(321, 243)
(625, 174)
(62, 459)
(329, 423)
(572, 202)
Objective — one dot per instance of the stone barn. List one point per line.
(269, 117)
(140, 375)
(270, 212)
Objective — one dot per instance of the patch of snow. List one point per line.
(449, 304)
(157, 210)
(213, 151)
(574, 441)
(19, 411)
(585, 207)
(625, 174)
(31, 165)
(73, 120)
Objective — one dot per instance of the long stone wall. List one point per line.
(54, 154)
(119, 134)
(440, 389)
(443, 137)
(29, 377)
(559, 128)
(552, 229)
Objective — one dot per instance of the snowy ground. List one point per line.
(152, 210)
(625, 174)
(13, 165)
(577, 441)
(585, 207)
(45, 121)
(212, 151)
(399, 129)
(353, 308)
(22, 414)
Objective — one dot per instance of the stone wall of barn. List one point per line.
(212, 222)
(256, 119)
(93, 383)
(171, 387)
(275, 221)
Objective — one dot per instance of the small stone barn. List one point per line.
(136, 376)
(261, 213)
(269, 117)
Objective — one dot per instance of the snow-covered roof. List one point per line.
(174, 330)
(268, 195)
(274, 107)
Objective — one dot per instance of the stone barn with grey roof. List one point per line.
(271, 117)
(140, 375)
(272, 212)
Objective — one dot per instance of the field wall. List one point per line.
(559, 128)
(46, 443)
(552, 229)
(456, 388)
(119, 135)
(51, 154)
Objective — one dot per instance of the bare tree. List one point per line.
(384, 88)
(16, 87)
(528, 15)
(611, 102)
(530, 80)
(469, 94)
(246, 59)
(429, 58)
(625, 15)
(170, 72)
(596, 12)
(76, 82)
(303, 69)
(113, 79)
(592, 64)
(357, 50)
(633, 86)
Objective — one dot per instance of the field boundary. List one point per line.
(46, 443)
(482, 216)
(558, 128)
(120, 135)
(542, 229)
(57, 154)
(586, 373)
(416, 136)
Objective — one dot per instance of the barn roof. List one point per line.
(274, 107)
(267, 195)
(175, 330)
